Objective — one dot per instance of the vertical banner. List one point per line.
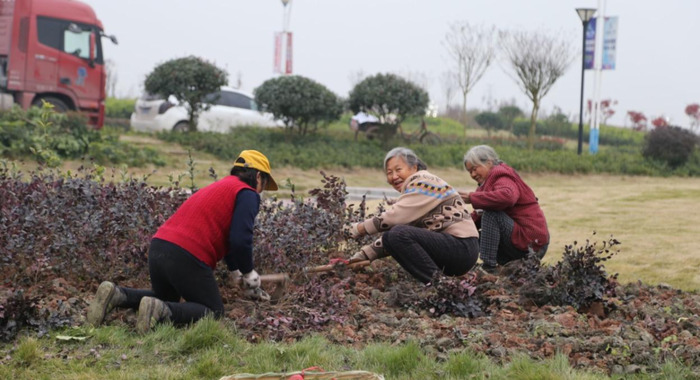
(288, 69)
(609, 43)
(277, 64)
(589, 50)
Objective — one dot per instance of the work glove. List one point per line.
(256, 294)
(251, 280)
(352, 230)
(358, 256)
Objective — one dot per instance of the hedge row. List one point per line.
(325, 151)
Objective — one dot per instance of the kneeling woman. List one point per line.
(428, 229)
(216, 223)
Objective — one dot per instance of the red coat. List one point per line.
(504, 190)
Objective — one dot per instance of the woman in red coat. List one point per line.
(511, 221)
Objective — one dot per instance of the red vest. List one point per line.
(201, 224)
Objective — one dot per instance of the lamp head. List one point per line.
(585, 14)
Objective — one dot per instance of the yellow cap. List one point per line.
(256, 160)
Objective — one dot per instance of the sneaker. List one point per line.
(151, 311)
(108, 297)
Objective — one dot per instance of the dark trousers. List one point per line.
(496, 240)
(422, 252)
(176, 274)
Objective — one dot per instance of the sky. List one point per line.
(335, 41)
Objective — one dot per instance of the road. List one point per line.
(371, 193)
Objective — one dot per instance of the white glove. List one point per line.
(251, 280)
(358, 256)
(352, 230)
(256, 294)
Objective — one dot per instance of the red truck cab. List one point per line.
(52, 50)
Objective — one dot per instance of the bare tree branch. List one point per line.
(472, 51)
(536, 61)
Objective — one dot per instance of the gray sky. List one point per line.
(657, 58)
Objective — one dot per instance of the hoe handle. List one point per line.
(268, 278)
(330, 267)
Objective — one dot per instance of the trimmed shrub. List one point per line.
(299, 101)
(390, 98)
(190, 80)
(672, 145)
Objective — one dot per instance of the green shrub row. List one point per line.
(339, 150)
(119, 108)
(612, 136)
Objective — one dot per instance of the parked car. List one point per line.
(229, 108)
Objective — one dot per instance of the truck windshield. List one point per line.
(59, 35)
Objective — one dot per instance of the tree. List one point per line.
(537, 61)
(390, 98)
(509, 113)
(299, 102)
(489, 121)
(605, 109)
(189, 79)
(639, 121)
(472, 51)
(693, 112)
(659, 122)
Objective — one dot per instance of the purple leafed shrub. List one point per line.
(64, 233)
(76, 228)
(290, 236)
(579, 279)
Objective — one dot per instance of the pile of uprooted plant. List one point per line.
(63, 233)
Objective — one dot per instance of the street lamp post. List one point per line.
(585, 14)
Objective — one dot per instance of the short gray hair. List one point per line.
(480, 155)
(407, 155)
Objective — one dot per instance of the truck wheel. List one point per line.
(182, 126)
(58, 104)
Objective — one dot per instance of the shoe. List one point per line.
(108, 297)
(151, 311)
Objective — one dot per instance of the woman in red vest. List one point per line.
(215, 223)
(506, 210)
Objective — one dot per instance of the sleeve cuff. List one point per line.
(369, 227)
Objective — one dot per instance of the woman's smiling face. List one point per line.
(397, 171)
(479, 172)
